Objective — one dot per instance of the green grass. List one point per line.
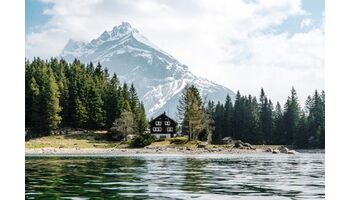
(82, 140)
(94, 139)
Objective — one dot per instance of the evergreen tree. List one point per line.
(77, 96)
(291, 118)
(315, 106)
(278, 132)
(301, 139)
(191, 112)
(112, 100)
(219, 119)
(44, 98)
(228, 118)
(265, 118)
(141, 121)
(95, 105)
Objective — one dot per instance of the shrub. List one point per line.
(179, 140)
(143, 140)
(203, 135)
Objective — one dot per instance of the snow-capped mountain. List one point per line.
(158, 77)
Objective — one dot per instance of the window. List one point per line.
(169, 129)
(157, 129)
(167, 123)
(158, 123)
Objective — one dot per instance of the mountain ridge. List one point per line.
(158, 77)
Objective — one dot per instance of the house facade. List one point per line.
(163, 126)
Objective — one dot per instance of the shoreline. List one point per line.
(50, 151)
(132, 151)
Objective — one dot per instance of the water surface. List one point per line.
(244, 176)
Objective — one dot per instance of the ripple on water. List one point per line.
(251, 176)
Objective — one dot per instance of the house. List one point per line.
(227, 140)
(163, 126)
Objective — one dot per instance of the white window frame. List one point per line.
(158, 123)
(169, 129)
(156, 129)
(167, 123)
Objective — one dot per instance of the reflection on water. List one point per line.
(258, 176)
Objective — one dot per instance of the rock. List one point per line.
(292, 152)
(283, 149)
(188, 148)
(269, 149)
(202, 145)
(275, 151)
(238, 145)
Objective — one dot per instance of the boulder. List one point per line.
(249, 146)
(269, 149)
(275, 151)
(283, 149)
(292, 152)
(238, 143)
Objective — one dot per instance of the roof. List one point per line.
(227, 138)
(163, 115)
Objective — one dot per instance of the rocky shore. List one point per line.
(152, 150)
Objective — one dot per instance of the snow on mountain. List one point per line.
(158, 77)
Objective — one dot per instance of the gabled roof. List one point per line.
(163, 115)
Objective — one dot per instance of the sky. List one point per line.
(242, 44)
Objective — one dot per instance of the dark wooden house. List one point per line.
(163, 126)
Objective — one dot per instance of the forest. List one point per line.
(253, 120)
(60, 94)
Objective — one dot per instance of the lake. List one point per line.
(213, 176)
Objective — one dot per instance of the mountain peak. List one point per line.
(158, 77)
(122, 29)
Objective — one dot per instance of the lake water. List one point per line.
(244, 176)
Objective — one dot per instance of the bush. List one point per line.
(143, 140)
(178, 140)
(203, 135)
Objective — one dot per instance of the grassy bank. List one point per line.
(94, 139)
(79, 140)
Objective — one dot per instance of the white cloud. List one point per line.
(305, 23)
(225, 40)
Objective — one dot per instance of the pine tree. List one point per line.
(228, 118)
(278, 134)
(112, 101)
(191, 112)
(134, 100)
(291, 118)
(95, 105)
(265, 118)
(141, 121)
(44, 98)
(219, 119)
(302, 135)
(315, 106)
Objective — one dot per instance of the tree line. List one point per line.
(59, 94)
(253, 120)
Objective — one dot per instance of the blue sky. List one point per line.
(35, 18)
(252, 43)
